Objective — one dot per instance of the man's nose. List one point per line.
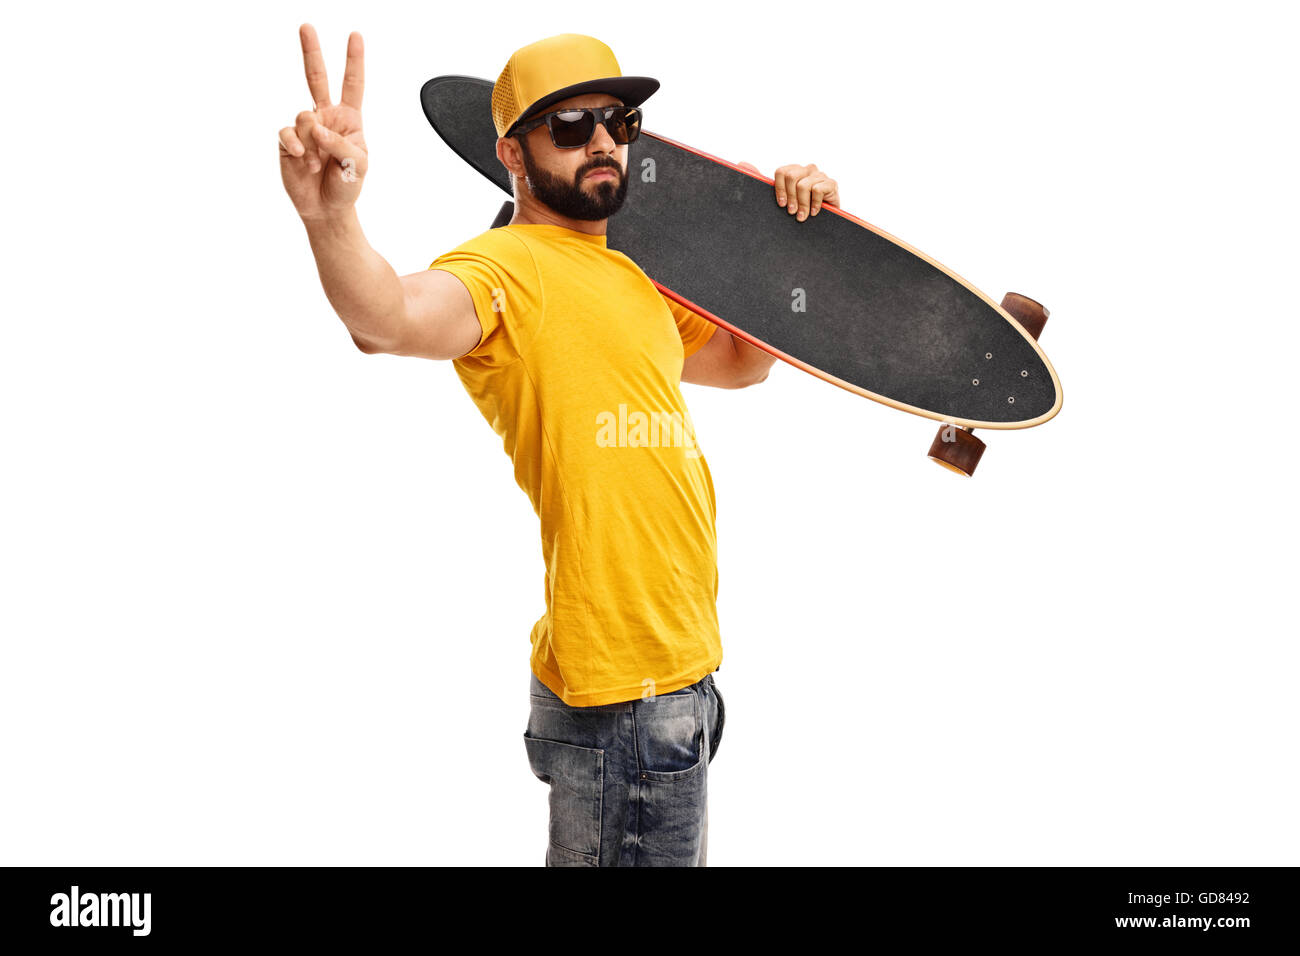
(601, 141)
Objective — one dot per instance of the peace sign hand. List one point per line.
(323, 156)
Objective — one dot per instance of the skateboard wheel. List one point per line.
(1031, 315)
(957, 449)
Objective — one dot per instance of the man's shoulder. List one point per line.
(500, 240)
(497, 246)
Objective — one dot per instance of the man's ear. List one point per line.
(509, 155)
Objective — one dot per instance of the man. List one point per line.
(575, 359)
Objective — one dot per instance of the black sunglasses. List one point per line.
(574, 127)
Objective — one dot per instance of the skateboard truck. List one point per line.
(956, 447)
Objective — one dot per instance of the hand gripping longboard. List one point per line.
(833, 295)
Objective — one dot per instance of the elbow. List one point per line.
(367, 346)
(750, 364)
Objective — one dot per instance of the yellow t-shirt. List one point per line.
(578, 371)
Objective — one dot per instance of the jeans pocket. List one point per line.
(672, 806)
(576, 776)
(671, 780)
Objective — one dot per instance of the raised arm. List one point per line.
(323, 163)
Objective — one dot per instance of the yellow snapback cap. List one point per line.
(556, 68)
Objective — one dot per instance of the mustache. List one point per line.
(601, 164)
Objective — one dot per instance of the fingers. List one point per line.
(802, 190)
(314, 64)
(354, 73)
(787, 182)
(290, 144)
(744, 165)
(351, 157)
(306, 126)
(784, 181)
(821, 188)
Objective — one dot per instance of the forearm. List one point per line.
(359, 283)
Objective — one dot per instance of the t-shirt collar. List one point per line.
(562, 232)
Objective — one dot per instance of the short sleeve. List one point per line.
(502, 280)
(694, 330)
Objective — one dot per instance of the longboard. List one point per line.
(833, 295)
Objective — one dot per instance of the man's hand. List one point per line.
(323, 157)
(802, 189)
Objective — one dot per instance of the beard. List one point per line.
(572, 199)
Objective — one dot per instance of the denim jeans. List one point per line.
(628, 781)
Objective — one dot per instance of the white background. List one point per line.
(267, 599)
